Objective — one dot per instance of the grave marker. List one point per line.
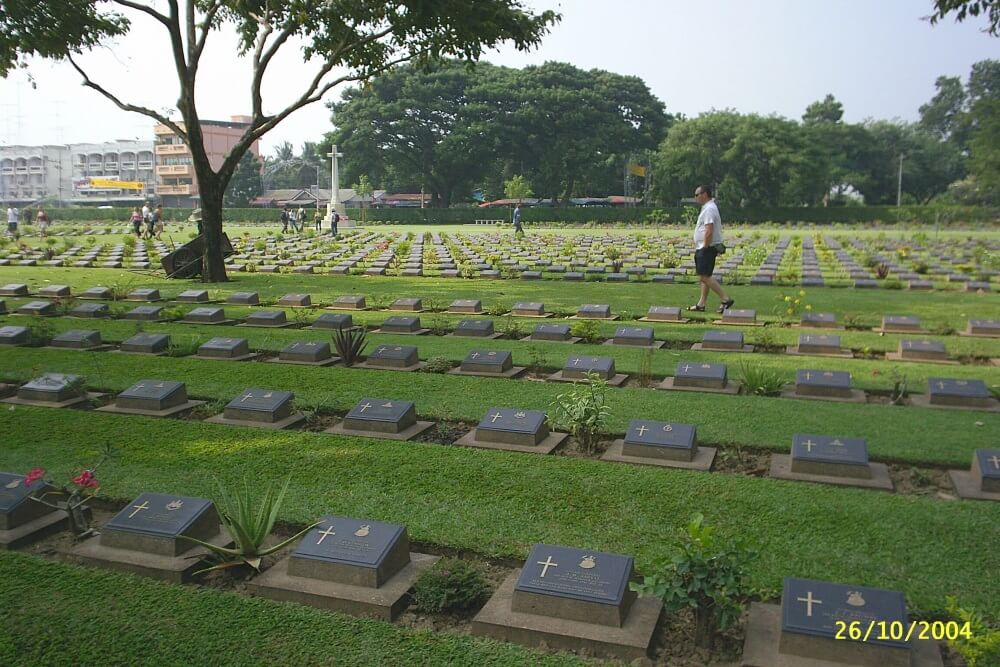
(264, 408)
(513, 429)
(152, 398)
(146, 343)
(395, 357)
(225, 349)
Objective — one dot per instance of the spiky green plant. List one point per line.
(249, 521)
(350, 343)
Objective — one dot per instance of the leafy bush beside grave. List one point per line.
(452, 584)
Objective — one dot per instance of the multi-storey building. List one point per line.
(30, 173)
(176, 184)
(95, 166)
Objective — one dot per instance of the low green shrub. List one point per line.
(451, 585)
(761, 380)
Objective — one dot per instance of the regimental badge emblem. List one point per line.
(13, 484)
(175, 505)
(363, 531)
(519, 415)
(855, 599)
(588, 563)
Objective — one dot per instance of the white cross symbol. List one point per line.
(810, 601)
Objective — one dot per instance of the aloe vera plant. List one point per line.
(350, 343)
(249, 521)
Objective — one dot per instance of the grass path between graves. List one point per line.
(57, 614)
(906, 434)
(499, 503)
(952, 308)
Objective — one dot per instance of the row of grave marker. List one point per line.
(813, 457)
(688, 375)
(562, 597)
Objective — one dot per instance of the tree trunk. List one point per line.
(213, 268)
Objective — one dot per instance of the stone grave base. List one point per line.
(546, 446)
(738, 324)
(323, 362)
(914, 332)
(680, 320)
(843, 354)
(629, 642)
(138, 300)
(492, 336)
(924, 401)
(143, 354)
(570, 340)
(603, 319)
(966, 486)
(781, 468)
(536, 317)
(42, 527)
(760, 649)
(385, 602)
(405, 369)
(730, 388)
(105, 316)
(287, 422)
(210, 324)
(150, 413)
(173, 569)
(418, 332)
(91, 396)
(245, 357)
(103, 347)
(19, 314)
(336, 307)
(896, 356)
(617, 381)
(399, 310)
(816, 325)
(857, 396)
(976, 335)
(512, 372)
(283, 325)
(700, 347)
(406, 434)
(657, 344)
(703, 458)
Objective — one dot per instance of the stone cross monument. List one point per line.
(334, 185)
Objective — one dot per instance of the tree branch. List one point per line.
(144, 9)
(206, 27)
(127, 107)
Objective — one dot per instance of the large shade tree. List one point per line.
(340, 41)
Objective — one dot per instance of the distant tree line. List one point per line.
(454, 129)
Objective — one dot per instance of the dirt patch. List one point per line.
(742, 461)
(913, 481)
(444, 432)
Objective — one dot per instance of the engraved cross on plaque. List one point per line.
(687, 368)
(995, 460)
(809, 444)
(808, 375)
(642, 430)
(546, 564)
(325, 534)
(139, 508)
(810, 601)
(495, 418)
(475, 355)
(365, 406)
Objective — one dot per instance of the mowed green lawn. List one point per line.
(499, 503)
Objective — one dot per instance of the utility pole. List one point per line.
(899, 187)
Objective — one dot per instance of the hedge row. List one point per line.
(887, 214)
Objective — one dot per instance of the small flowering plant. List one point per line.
(72, 498)
(791, 305)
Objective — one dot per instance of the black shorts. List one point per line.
(704, 261)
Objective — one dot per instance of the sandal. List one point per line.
(726, 305)
(697, 308)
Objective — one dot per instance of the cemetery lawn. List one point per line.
(58, 614)
(904, 434)
(497, 504)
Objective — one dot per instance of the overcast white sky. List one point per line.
(768, 56)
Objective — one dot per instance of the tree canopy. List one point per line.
(452, 128)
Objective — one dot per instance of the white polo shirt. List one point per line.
(709, 216)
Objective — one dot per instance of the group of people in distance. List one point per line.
(147, 223)
(296, 219)
(14, 219)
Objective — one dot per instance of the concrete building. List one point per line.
(30, 173)
(176, 184)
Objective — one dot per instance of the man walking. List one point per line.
(707, 239)
(13, 217)
(518, 229)
(334, 219)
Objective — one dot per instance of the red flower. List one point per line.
(86, 480)
(33, 476)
